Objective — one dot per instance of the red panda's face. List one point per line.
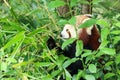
(68, 31)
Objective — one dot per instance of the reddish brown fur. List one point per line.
(90, 41)
(94, 39)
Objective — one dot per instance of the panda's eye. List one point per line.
(67, 29)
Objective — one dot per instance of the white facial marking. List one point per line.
(71, 30)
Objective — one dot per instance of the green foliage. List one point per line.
(67, 42)
(25, 26)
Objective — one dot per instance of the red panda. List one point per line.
(90, 35)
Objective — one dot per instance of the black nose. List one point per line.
(60, 35)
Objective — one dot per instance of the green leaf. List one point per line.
(56, 3)
(95, 1)
(43, 64)
(103, 23)
(11, 60)
(92, 68)
(73, 3)
(103, 44)
(68, 76)
(117, 24)
(55, 73)
(116, 39)
(62, 22)
(79, 48)
(79, 75)
(33, 12)
(67, 42)
(1, 52)
(3, 66)
(47, 78)
(117, 59)
(72, 21)
(108, 51)
(86, 54)
(30, 40)
(38, 30)
(68, 62)
(15, 26)
(89, 77)
(116, 32)
(104, 33)
(108, 75)
(109, 63)
(18, 37)
(22, 63)
(88, 23)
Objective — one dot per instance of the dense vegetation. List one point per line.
(25, 26)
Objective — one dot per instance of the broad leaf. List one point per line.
(108, 51)
(92, 68)
(117, 59)
(79, 47)
(68, 76)
(89, 77)
(88, 23)
(15, 39)
(108, 75)
(73, 3)
(104, 34)
(56, 3)
(118, 24)
(67, 42)
(103, 23)
(68, 62)
(116, 32)
(72, 21)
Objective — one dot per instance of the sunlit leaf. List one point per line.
(38, 30)
(62, 22)
(92, 68)
(22, 64)
(79, 48)
(88, 23)
(73, 3)
(108, 51)
(115, 32)
(72, 21)
(89, 77)
(96, 1)
(67, 42)
(56, 3)
(108, 75)
(79, 75)
(102, 23)
(68, 62)
(118, 24)
(3, 66)
(68, 76)
(103, 44)
(15, 39)
(43, 64)
(55, 73)
(109, 63)
(117, 59)
(104, 34)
